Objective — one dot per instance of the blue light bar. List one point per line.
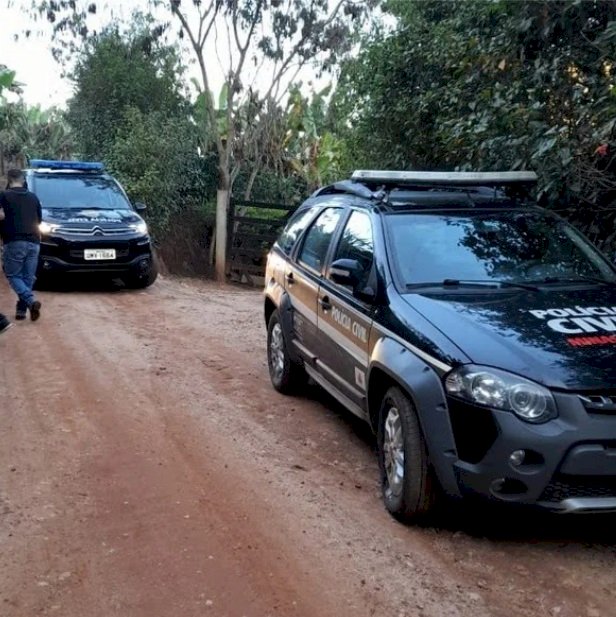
(66, 165)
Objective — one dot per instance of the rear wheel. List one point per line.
(408, 483)
(287, 376)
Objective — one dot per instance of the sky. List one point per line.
(41, 76)
(31, 59)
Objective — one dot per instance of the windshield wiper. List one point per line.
(494, 283)
(578, 279)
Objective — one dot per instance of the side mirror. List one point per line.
(345, 272)
(140, 207)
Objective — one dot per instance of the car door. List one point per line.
(302, 278)
(344, 317)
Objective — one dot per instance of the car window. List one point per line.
(79, 192)
(293, 229)
(357, 243)
(318, 238)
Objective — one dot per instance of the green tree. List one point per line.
(262, 38)
(156, 158)
(469, 84)
(114, 72)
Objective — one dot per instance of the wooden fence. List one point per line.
(253, 227)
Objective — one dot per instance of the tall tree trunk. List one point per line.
(222, 215)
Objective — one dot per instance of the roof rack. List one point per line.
(444, 178)
(45, 165)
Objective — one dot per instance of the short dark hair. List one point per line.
(15, 176)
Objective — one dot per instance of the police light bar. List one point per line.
(66, 165)
(448, 178)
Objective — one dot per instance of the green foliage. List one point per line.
(7, 79)
(31, 132)
(313, 150)
(117, 71)
(156, 159)
(471, 84)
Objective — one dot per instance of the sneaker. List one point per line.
(5, 324)
(35, 310)
(21, 311)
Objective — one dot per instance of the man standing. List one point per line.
(20, 212)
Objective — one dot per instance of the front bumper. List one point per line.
(62, 255)
(569, 463)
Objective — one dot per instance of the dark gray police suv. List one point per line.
(473, 330)
(89, 225)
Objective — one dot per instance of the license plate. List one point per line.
(99, 254)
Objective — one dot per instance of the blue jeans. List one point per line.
(20, 260)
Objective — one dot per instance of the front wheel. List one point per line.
(287, 376)
(143, 279)
(408, 483)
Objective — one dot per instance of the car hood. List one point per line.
(86, 216)
(561, 338)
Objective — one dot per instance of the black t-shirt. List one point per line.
(22, 216)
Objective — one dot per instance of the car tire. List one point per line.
(287, 376)
(408, 483)
(144, 280)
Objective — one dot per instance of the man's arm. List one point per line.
(2, 200)
(39, 211)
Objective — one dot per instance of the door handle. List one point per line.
(325, 303)
(290, 278)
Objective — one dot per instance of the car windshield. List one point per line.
(509, 247)
(68, 191)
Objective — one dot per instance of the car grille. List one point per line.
(599, 403)
(94, 231)
(567, 487)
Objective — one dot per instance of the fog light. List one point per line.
(517, 457)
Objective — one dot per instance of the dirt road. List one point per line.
(148, 469)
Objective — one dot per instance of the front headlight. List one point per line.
(47, 228)
(491, 387)
(140, 228)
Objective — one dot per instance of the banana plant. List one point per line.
(201, 115)
(313, 151)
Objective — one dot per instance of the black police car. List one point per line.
(89, 225)
(473, 330)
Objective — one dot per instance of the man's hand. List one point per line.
(1, 214)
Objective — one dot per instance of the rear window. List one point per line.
(68, 191)
(296, 225)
